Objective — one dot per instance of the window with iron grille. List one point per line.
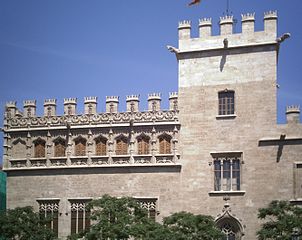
(39, 148)
(165, 144)
(227, 172)
(49, 209)
(80, 147)
(150, 205)
(143, 145)
(226, 102)
(101, 146)
(80, 216)
(121, 146)
(60, 148)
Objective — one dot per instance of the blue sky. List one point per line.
(77, 48)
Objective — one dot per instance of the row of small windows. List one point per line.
(121, 146)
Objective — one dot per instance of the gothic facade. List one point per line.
(216, 151)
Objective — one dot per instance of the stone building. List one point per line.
(217, 151)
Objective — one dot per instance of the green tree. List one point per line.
(23, 223)
(123, 218)
(187, 226)
(282, 218)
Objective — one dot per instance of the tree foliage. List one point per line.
(123, 218)
(282, 218)
(187, 226)
(23, 223)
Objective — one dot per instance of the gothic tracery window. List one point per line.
(80, 146)
(80, 216)
(101, 146)
(19, 149)
(149, 205)
(227, 172)
(230, 228)
(50, 209)
(165, 144)
(143, 144)
(39, 148)
(60, 147)
(121, 146)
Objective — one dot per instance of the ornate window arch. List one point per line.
(59, 147)
(121, 147)
(143, 144)
(19, 148)
(39, 148)
(100, 146)
(229, 225)
(164, 143)
(80, 146)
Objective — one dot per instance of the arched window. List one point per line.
(165, 144)
(19, 149)
(143, 144)
(100, 146)
(80, 147)
(60, 147)
(121, 146)
(39, 148)
(226, 100)
(230, 227)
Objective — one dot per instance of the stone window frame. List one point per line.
(79, 214)
(297, 184)
(121, 145)
(165, 143)
(228, 174)
(56, 148)
(80, 146)
(15, 144)
(226, 108)
(50, 208)
(36, 149)
(104, 152)
(143, 147)
(150, 204)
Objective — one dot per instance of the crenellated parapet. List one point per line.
(293, 114)
(16, 120)
(248, 35)
(154, 100)
(29, 108)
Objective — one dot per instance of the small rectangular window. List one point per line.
(298, 180)
(150, 205)
(226, 103)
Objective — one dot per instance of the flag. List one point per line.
(194, 2)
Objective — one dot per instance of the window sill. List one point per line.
(230, 116)
(223, 193)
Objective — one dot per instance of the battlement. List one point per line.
(112, 98)
(70, 100)
(29, 103)
(90, 105)
(90, 99)
(292, 109)
(247, 36)
(48, 102)
(11, 104)
(247, 17)
(270, 15)
(132, 98)
(293, 114)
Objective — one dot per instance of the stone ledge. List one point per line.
(230, 116)
(224, 193)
